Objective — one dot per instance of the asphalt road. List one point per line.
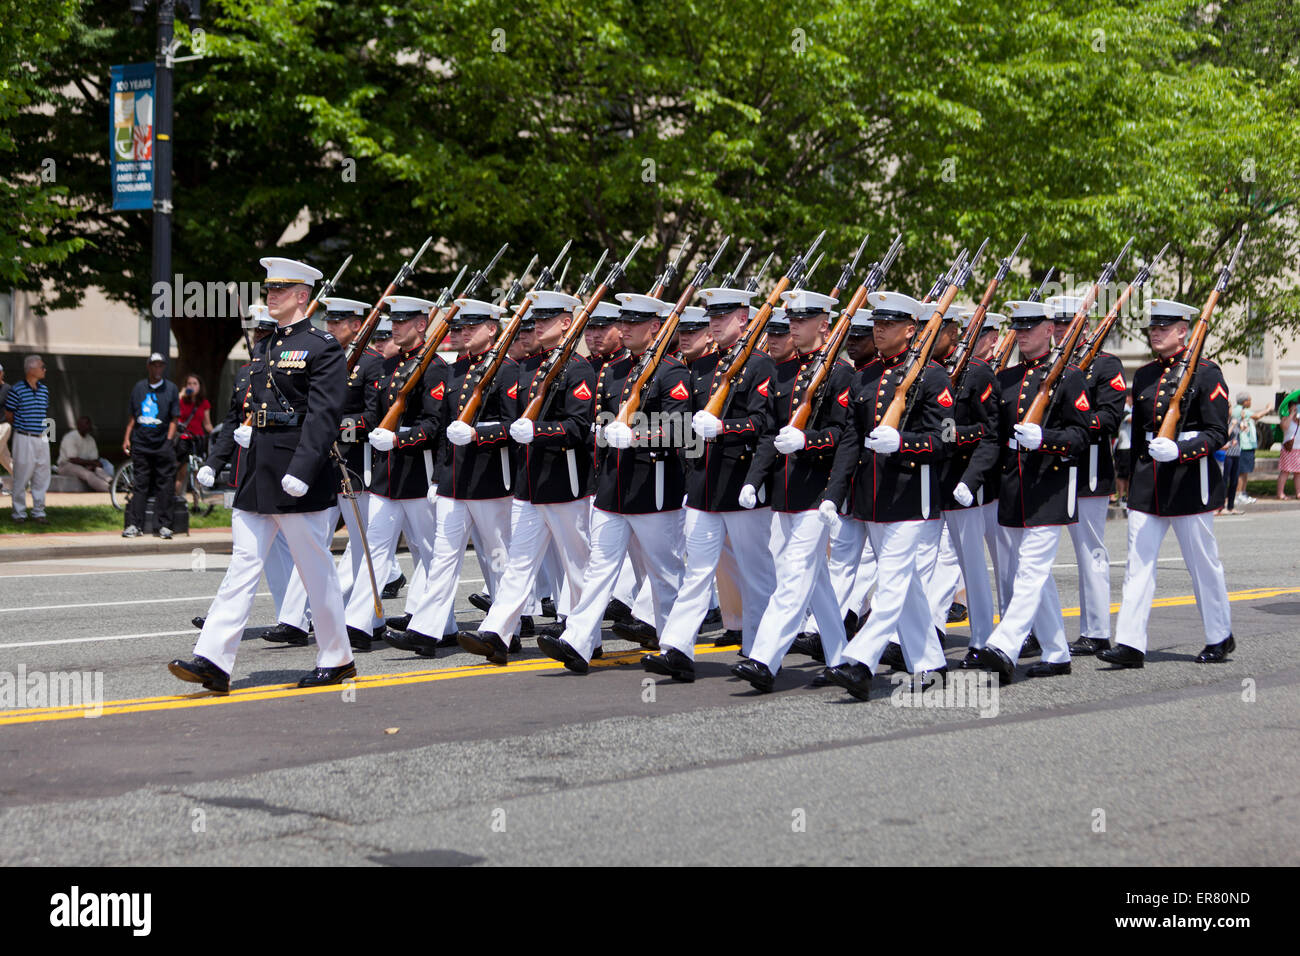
(451, 762)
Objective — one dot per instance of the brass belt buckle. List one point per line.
(260, 418)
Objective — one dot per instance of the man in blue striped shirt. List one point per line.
(26, 408)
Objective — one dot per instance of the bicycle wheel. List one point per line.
(199, 505)
(119, 492)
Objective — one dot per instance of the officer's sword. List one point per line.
(361, 526)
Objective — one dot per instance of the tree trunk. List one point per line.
(203, 345)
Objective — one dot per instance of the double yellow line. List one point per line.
(141, 705)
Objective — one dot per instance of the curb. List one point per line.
(211, 539)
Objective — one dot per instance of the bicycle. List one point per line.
(119, 492)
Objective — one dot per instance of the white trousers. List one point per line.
(1035, 604)
(385, 522)
(533, 528)
(656, 540)
(802, 580)
(725, 591)
(252, 536)
(459, 519)
(751, 534)
(1089, 537)
(900, 606)
(1195, 535)
(991, 532)
(294, 609)
(31, 463)
(279, 569)
(940, 576)
(966, 532)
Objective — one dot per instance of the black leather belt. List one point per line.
(30, 434)
(262, 418)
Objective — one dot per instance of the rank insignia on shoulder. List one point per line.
(1081, 403)
(988, 390)
(843, 398)
(680, 392)
(513, 390)
(945, 398)
(762, 387)
(582, 393)
(1117, 383)
(438, 391)
(1219, 392)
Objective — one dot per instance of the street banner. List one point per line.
(131, 135)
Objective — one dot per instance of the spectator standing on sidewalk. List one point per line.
(79, 456)
(150, 434)
(1288, 466)
(1246, 429)
(26, 408)
(194, 428)
(6, 461)
(1231, 465)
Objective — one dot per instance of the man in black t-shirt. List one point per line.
(155, 406)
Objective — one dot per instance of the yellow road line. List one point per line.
(283, 691)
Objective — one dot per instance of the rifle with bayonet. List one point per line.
(1092, 348)
(642, 375)
(923, 342)
(1063, 351)
(812, 382)
(1007, 343)
(431, 342)
(669, 274)
(491, 363)
(961, 355)
(359, 341)
(1187, 365)
(510, 294)
(554, 364)
(744, 347)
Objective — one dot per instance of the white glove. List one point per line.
(432, 494)
(789, 439)
(293, 487)
(961, 494)
(521, 430)
(828, 514)
(458, 433)
(1163, 449)
(883, 440)
(706, 425)
(381, 439)
(748, 497)
(1029, 437)
(244, 436)
(206, 477)
(618, 435)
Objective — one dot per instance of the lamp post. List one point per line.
(161, 267)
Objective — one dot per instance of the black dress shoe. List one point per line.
(598, 653)
(548, 608)
(810, 645)
(616, 611)
(1031, 647)
(526, 625)
(485, 644)
(757, 673)
(449, 639)
(638, 632)
(712, 621)
(198, 621)
(893, 657)
(1216, 653)
(323, 676)
(202, 671)
(851, 624)
(671, 663)
(957, 612)
(1044, 669)
(481, 600)
(561, 650)
(554, 629)
(516, 645)
(1087, 646)
(286, 634)
(729, 639)
(971, 661)
(359, 639)
(924, 680)
(394, 588)
(421, 644)
(1121, 655)
(992, 659)
(398, 623)
(853, 677)
(821, 680)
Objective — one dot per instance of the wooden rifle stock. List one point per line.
(748, 342)
(893, 416)
(1006, 345)
(826, 360)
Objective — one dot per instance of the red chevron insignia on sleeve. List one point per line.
(945, 398)
(438, 391)
(513, 390)
(1081, 403)
(1117, 383)
(762, 388)
(1219, 392)
(843, 398)
(988, 390)
(582, 393)
(680, 392)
